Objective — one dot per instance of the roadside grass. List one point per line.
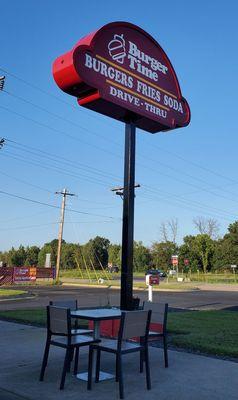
(210, 277)
(36, 316)
(11, 292)
(209, 332)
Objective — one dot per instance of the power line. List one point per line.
(190, 176)
(59, 131)
(218, 213)
(25, 182)
(53, 96)
(61, 118)
(203, 189)
(55, 157)
(54, 206)
(169, 194)
(187, 201)
(91, 115)
(171, 177)
(191, 184)
(147, 167)
(193, 163)
(57, 169)
(53, 223)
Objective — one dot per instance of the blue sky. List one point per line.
(183, 174)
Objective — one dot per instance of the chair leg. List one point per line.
(98, 362)
(45, 359)
(120, 376)
(141, 361)
(65, 367)
(147, 368)
(90, 368)
(166, 364)
(71, 359)
(117, 369)
(76, 360)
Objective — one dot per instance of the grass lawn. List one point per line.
(210, 332)
(11, 292)
(36, 316)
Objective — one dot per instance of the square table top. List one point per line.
(97, 314)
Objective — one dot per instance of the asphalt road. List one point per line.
(90, 296)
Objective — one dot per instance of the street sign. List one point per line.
(174, 260)
(122, 72)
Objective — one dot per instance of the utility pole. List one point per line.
(64, 193)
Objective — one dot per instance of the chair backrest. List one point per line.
(71, 303)
(134, 324)
(159, 312)
(58, 320)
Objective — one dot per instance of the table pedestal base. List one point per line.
(103, 376)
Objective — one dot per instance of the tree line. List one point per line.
(204, 252)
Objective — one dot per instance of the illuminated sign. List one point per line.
(122, 72)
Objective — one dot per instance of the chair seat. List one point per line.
(80, 340)
(111, 346)
(81, 331)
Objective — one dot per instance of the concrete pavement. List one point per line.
(189, 376)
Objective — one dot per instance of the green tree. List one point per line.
(204, 246)
(32, 255)
(96, 252)
(69, 255)
(17, 257)
(142, 257)
(161, 254)
(51, 248)
(114, 254)
(188, 250)
(226, 250)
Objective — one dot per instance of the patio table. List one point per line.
(96, 315)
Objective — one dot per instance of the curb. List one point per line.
(18, 298)
(134, 288)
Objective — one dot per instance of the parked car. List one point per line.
(159, 272)
(113, 268)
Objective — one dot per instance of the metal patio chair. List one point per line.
(134, 324)
(158, 316)
(59, 334)
(73, 305)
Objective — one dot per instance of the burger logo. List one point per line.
(116, 48)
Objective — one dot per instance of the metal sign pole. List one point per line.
(150, 293)
(128, 218)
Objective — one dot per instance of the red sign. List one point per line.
(121, 71)
(24, 274)
(186, 261)
(154, 280)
